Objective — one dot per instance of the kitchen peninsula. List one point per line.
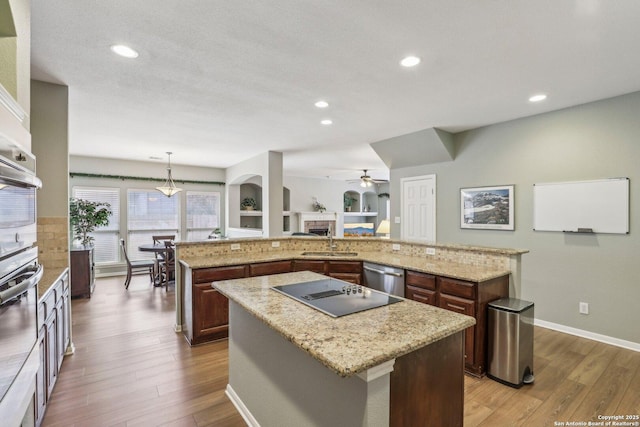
(289, 364)
(455, 277)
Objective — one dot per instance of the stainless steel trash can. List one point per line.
(510, 351)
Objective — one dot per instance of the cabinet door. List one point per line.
(462, 306)
(266, 268)
(51, 342)
(41, 377)
(422, 295)
(60, 335)
(66, 321)
(316, 266)
(211, 314)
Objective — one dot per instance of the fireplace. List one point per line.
(317, 223)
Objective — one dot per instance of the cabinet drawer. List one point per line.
(463, 306)
(422, 295)
(345, 267)
(48, 304)
(206, 275)
(355, 278)
(421, 280)
(265, 268)
(310, 265)
(457, 287)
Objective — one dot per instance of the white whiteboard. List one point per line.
(601, 206)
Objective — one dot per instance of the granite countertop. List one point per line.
(49, 277)
(440, 268)
(350, 344)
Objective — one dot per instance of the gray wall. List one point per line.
(49, 131)
(591, 141)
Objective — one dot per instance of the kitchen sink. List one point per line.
(330, 253)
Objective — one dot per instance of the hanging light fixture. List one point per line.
(169, 188)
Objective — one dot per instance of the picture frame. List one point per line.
(487, 208)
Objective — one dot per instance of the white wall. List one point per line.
(591, 141)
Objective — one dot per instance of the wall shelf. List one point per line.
(361, 214)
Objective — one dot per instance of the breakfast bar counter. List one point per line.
(289, 364)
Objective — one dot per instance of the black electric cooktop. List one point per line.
(336, 297)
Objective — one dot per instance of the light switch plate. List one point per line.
(397, 220)
(584, 308)
(235, 246)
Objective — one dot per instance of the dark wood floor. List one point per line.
(130, 368)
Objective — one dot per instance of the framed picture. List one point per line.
(487, 208)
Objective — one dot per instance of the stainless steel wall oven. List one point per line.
(19, 276)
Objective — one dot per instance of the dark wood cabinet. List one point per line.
(465, 297)
(54, 336)
(349, 271)
(208, 318)
(266, 268)
(82, 272)
(421, 287)
(317, 266)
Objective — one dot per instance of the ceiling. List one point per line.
(218, 82)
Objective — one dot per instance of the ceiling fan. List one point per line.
(366, 180)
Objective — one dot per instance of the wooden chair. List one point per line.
(159, 240)
(135, 266)
(168, 264)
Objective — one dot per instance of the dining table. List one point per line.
(158, 249)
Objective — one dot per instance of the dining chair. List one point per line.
(168, 264)
(159, 256)
(135, 266)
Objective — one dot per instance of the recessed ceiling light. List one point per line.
(327, 122)
(123, 50)
(538, 98)
(322, 104)
(410, 61)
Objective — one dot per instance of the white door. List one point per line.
(418, 206)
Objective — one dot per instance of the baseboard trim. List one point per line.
(244, 411)
(630, 345)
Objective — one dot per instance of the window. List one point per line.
(149, 213)
(203, 217)
(106, 238)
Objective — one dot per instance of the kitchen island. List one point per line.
(290, 364)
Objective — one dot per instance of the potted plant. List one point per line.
(248, 204)
(317, 206)
(85, 216)
(348, 202)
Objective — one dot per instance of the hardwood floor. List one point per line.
(131, 369)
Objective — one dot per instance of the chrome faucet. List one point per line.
(332, 247)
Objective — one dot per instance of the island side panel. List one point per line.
(281, 385)
(427, 385)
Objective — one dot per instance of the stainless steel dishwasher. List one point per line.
(384, 278)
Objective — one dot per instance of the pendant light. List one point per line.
(169, 188)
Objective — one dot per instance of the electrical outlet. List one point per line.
(430, 251)
(397, 220)
(275, 244)
(395, 247)
(235, 246)
(584, 308)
